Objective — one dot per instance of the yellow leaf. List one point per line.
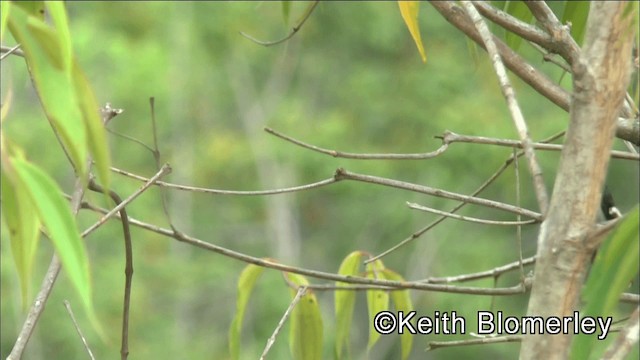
(409, 12)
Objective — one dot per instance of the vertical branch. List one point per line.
(601, 75)
(514, 108)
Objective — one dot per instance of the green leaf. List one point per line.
(344, 303)
(59, 17)
(4, 16)
(519, 10)
(576, 12)
(286, 9)
(305, 336)
(55, 87)
(57, 218)
(23, 223)
(377, 300)
(96, 135)
(402, 302)
(613, 269)
(409, 11)
(246, 283)
(33, 8)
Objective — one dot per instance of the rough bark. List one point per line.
(601, 76)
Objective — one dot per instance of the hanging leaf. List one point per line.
(305, 336)
(246, 283)
(401, 302)
(409, 11)
(344, 302)
(23, 223)
(54, 212)
(4, 16)
(286, 9)
(377, 300)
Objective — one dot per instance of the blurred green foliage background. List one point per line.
(350, 80)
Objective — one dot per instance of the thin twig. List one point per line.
(390, 285)
(360, 156)
(13, 50)
(512, 103)
(451, 137)
(470, 219)
(342, 174)
(272, 339)
(482, 341)
(482, 274)
(519, 228)
(75, 323)
(481, 188)
(128, 269)
(229, 192)
(293, 31)
(561, 40)
(417, 285)
(163, 171)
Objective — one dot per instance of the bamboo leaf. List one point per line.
(23, 223)
(4, 16)
(54, 212)
(409, 11)
(305, 336)
(402, 302)
(345, 302)
(614, 267)
(377, 300)
(246, 283)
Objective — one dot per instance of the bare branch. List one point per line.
(482, 274)
(629, 129)
(163, 171)
(451, 137)
(342, 174)
(6, 51)
(229, 192)
(293, 31)
(470, 219)
(285, 316)
(482, 341)
(512, 103)
(347, 155)
(75, 324)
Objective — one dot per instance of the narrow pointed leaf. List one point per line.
(4, 16)
(377, 300)
(614, 267)
(401, 302)
(61, 228)
(55, 87)
(59, 16)
(23, 223)
(409, 11)
(96, 135)
(246, 283)
(345, 302)
(286, 9)
(305, 336)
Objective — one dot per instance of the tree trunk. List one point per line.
(600, 79)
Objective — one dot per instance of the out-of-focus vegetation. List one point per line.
(350, 80)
